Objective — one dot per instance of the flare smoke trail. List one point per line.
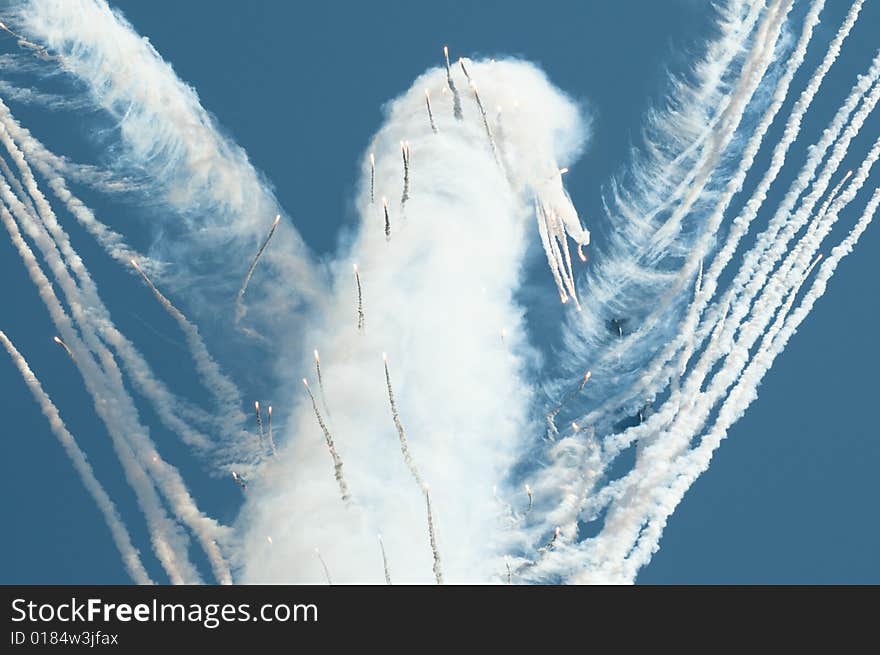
(372, 178)
(411, 465)
(328, 438)
(432, 536)
(404, 151)
(401, 433)
(321, 383)
(551, 417)
(430, 113)
(271, 438)
(259, 425)
(485, 118)
(387, 219)
(239, 300)
(130, 556)
(226, 395)
(456, 100)
(384, 561)
(324, 566)
(65, 346)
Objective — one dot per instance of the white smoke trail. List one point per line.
(456, 100)
(324, 566)
(430, 113)
(401, 433)
(239, 299)
(226, 394)
(29, 96)
(130, 555)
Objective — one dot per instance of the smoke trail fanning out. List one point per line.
(709, 261)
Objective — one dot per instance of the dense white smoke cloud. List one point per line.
(436, 297)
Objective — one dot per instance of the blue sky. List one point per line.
(790, 496)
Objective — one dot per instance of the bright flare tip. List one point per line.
(317, 356)
(57, 340)
(277, 218)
